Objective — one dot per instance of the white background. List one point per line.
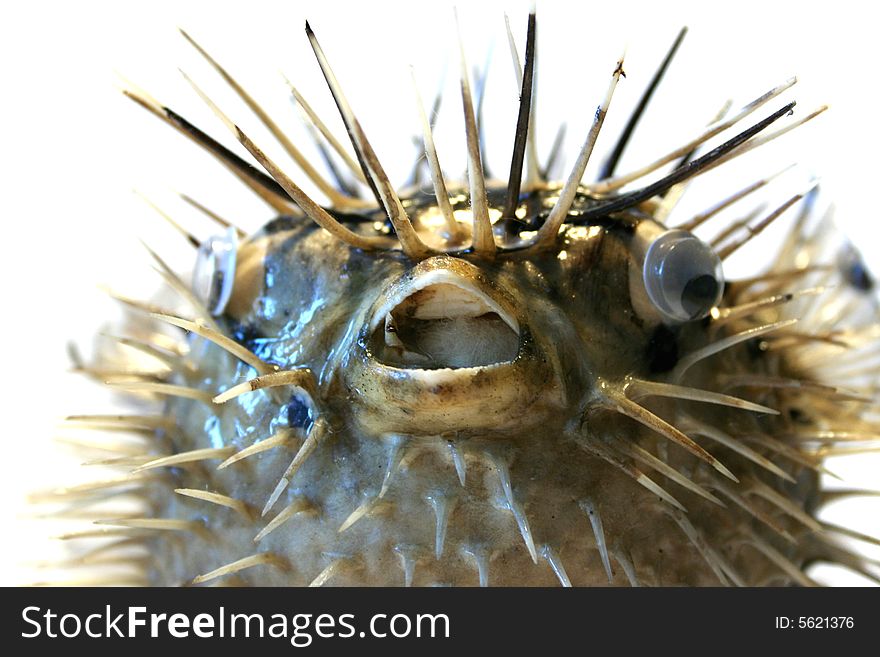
(73, 148)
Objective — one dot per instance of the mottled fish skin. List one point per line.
(442, 473)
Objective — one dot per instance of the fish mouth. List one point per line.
(441, 320)
(458, 356)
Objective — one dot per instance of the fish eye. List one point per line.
(683, 276)
(214, 272)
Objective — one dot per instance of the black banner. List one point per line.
(395, 621)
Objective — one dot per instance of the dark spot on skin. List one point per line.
(634, 319)
(246, 334)
(756, 348)
(249, 336)
(798, 416)
(299, 414)
(662, 351)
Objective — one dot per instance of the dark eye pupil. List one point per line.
(699, 294)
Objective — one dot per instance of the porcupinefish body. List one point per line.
(503, 383)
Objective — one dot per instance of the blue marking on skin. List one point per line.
(299, 412)
(212, 430)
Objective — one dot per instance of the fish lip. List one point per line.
(406, 287)
(435, 277)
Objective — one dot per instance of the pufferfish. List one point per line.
(496, 382)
